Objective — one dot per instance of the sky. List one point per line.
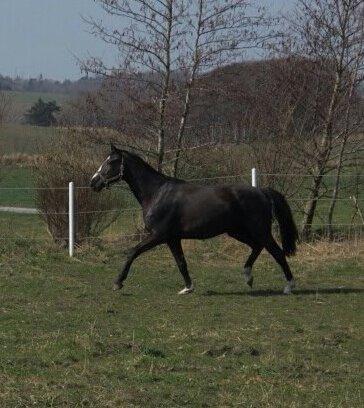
(44, 36)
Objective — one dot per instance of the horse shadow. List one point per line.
(274, 292)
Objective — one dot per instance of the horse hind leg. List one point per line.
(248, 266)
(277, 253)
(177, 252)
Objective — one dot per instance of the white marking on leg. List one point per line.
(290, 285)
(186, 291)
(247, 273)
(248, 276)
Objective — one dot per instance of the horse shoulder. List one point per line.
(162, 208)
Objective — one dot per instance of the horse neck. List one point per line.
(142, 179)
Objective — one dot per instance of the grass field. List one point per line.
(28, 98)
(66, 340)
(14, 179)
(24, 139)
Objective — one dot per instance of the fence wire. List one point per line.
(40, 230)
(228, 176)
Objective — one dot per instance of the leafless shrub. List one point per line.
(72, 159)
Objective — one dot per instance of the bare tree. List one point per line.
(167, 41)
(147, 46)
(220, 32)
(352, 123)
(327, 32)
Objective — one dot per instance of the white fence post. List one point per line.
(254, 177)
(71, 217)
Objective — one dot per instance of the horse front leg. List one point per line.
(177, 252)
(248, 266)
(146, 244)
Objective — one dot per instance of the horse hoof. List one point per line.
(288, 289)
(186, 291)
(117, 286)
(250, 282)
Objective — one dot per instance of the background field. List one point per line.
(24, 139)
(22, 101)
(67, 340)
(26, 99)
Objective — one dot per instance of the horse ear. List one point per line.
(113, 148)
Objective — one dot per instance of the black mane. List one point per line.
(149, 168)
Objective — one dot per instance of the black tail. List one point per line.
(287, 226)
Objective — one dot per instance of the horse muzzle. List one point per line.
(97, 183)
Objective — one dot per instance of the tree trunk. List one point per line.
(165, 91)
(341, 154)
(322, 159)
(190, 83)
(335, 191)
(161, 131)
(182, 128)
(310, 207)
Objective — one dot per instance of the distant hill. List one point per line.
(45, 85)
(25, 92)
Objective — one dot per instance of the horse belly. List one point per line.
(205, 223)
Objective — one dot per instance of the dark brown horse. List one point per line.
(174, 209)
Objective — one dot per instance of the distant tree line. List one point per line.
(41, 84)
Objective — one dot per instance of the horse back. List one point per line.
(192, 211)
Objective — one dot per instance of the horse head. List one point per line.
(110, 171)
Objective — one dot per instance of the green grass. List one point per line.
(66, 340)
(22, 225)
(15, 181)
